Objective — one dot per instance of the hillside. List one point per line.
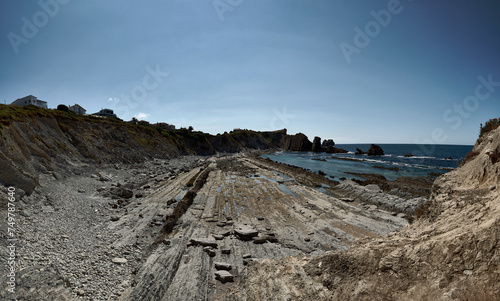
(35, 140)
(451, 253)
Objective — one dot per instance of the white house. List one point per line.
(77, 109)
(30, 100)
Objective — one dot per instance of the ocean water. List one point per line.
(428, 159)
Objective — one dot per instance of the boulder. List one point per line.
(126, 193)
(409, 155)
(375, 150)
(359, 152)
(327, 143)
(224, 276)
(260, 239)
(206, 242)
(119, 260)
(223, 266)
(334, 150)
(297, 142)
(245, 232)
(210, 251)
(316, 145)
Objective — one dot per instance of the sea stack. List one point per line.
(316, 145)
(375, 150)
(297, 142)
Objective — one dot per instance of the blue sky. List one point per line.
(354, 71)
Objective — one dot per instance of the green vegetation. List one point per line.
(63, 108)
(490, 125)
(185, 139)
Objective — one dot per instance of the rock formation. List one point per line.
(360, 152)
(297, 142)
(37, 140)
(451, 252)
(328, 142)
(334, 150)
(316, 145)
(375, 150)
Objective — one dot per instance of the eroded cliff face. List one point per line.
(452, 253)
(59, 144)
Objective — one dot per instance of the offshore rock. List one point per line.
(326, 143)
(334, 150)
(375, 150)
(316, 146)
(360, 152)
(297, 142)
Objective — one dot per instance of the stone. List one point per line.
(114, 218)
(326, 143)
(316, 145)
(247, 255)
(223, 266)
(226, 251)
(245, 232)
(226, 233)
(260, 239)
(360, 152)
(375, 150)
(493, 187)
(297, 142)
(260, 218)
(347, 200)
(218, 236)
(126, 193)
(81, 190)
(334, 150)
(408, 155)
(224, 276)
(209, 251)
(119, 260)
(205, 242)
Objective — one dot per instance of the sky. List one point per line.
(385, 71)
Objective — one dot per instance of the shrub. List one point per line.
(489, 126)
(63, 108)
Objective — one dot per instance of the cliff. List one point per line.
(35, 140)
(452, 252)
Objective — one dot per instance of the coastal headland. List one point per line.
(109, 211)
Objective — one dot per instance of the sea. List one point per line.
(427, 160)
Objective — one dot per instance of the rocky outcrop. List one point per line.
(316, 145)
(372, 194)
(375, 150)
(335, 150)
(37, 140)
(297, 142)
(360, 152)
(451, 252)
(328, 142)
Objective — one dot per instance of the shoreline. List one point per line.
(116, 218)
